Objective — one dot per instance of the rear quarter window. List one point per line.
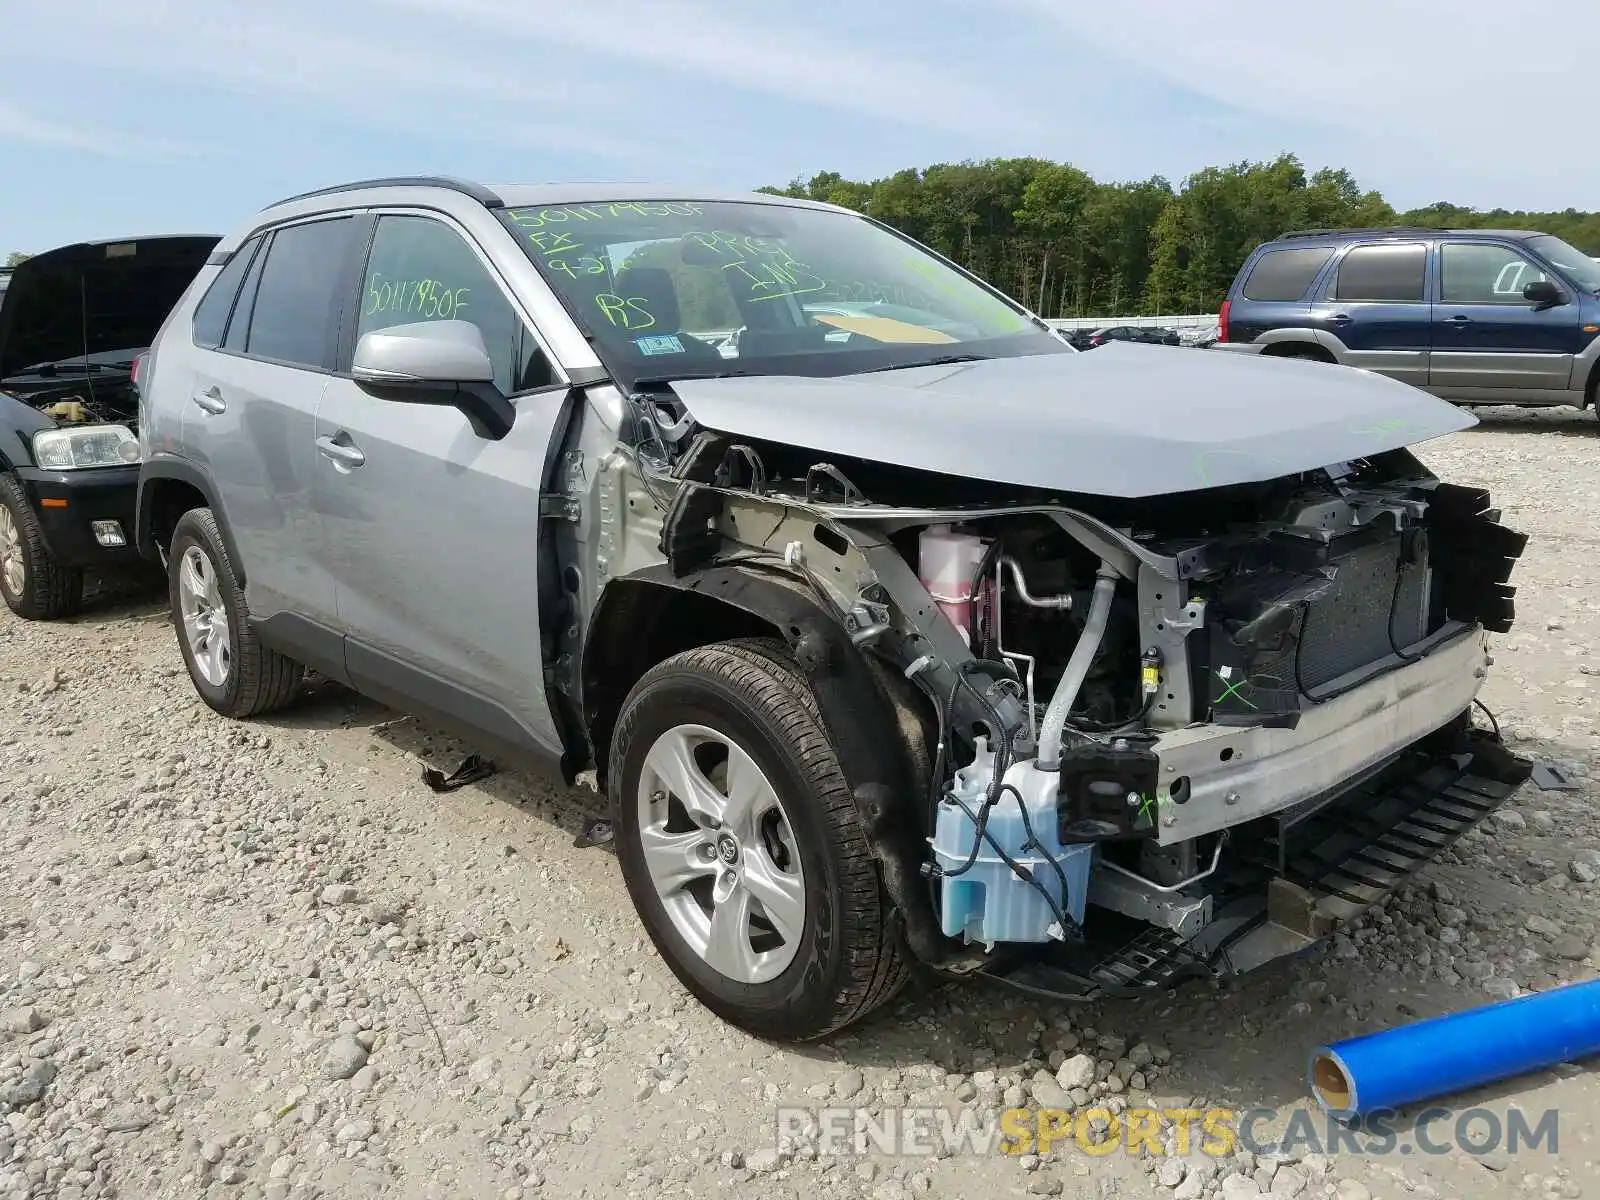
(1284, 275)
(211, 314)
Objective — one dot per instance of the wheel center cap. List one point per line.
(727, 850)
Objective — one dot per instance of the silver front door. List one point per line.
(433, 530)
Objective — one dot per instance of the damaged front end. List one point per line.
(1105, 743)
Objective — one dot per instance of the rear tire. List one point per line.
(232, 670)
(33, 585)
(813, 949)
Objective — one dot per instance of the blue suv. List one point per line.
(1477, 316)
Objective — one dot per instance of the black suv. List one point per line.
(73, 322)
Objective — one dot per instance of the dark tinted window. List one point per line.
(211, 314)
(1393, 273)
(1284, 275)
(243, 308)
(296, 303)
(422, 270)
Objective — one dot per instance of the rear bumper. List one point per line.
(1239, 347)
(68, 503)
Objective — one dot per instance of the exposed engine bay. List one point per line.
(102, 400)
(1162, 733)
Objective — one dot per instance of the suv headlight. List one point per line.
(85, 446)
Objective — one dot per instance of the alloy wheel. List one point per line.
(721, 854)
(205, 620)
(13, 568)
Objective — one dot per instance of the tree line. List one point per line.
(1069, 246)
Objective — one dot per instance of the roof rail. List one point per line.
(1384, 229)
(465, 187)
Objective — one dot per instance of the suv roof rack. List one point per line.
(1382, 229)
(463, 186)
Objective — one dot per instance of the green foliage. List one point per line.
(16, 258)
(1067, 245)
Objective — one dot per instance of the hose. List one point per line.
(1083, 655)
(1020, 582)
(1021, 872)
(1069, 927)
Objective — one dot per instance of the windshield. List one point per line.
(685, 289)
(1577, 266)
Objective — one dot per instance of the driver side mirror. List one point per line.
(435, 362)
(1544, 294)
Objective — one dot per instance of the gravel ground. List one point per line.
(267, 961)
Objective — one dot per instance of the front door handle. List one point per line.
(340, 454)
(1339, 319)
(1459, 319)
(211, 401)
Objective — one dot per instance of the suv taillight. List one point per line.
(1222, 322)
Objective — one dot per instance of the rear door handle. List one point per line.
(1459, 319)
(1339, 319)
(211, 401)
(340, 453)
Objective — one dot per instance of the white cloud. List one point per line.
(591, 78)
(301, 54)
(707, 42)
(18, 125)
(1473, 89)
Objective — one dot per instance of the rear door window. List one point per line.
(1389, 273)
(295, 319)
(211, 314)
(1284, 275)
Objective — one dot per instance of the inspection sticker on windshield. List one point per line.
(665, 343)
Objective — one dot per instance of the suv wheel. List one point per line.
(233, 672)
(33, 585)
(741, 846)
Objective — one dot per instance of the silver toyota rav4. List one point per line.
(902, 637)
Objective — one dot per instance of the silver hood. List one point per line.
(1124, 421)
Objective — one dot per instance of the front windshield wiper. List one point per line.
(680, 376)
(945, 360)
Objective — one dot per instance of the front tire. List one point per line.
(33, 585)
(742, 849)
(233, 672)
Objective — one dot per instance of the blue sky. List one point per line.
(122, 117)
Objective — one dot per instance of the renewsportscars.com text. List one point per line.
(1216, 1132)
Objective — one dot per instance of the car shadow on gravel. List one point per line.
(328, 705)
(1557, 421)
(121, 596)
(1242, 1042)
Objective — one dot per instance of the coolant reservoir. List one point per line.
(947, 562)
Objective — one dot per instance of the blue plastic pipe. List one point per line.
(1432, 1058)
